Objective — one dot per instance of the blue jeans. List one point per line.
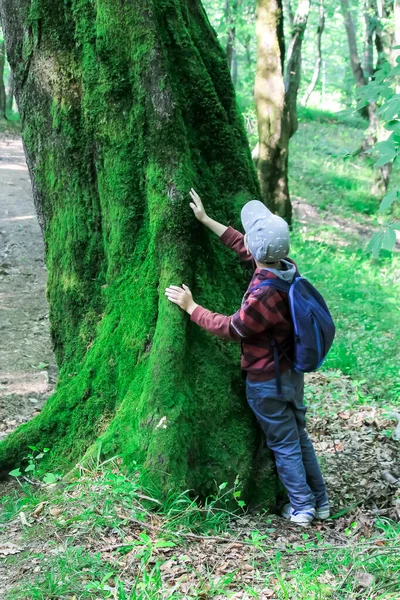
(284, 423)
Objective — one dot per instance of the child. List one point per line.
(263, 317)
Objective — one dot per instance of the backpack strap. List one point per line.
(282, 286)
(279, 284)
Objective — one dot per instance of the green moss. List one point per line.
(143, 111)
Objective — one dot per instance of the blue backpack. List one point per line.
(314, 329)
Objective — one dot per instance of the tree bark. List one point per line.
(355, 62)
(293, 67)
(318, 62)
(276, 100)
(290, 13)
(2, 88)
(125, 106)
(270, 102)
(370, 20)
(10, 93)
(231, 14)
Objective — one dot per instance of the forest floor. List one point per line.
(96, 536)
(27, 368)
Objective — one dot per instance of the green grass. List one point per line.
(320, 175)
(344, 117)
(363, 294)
(364, 298)
(324, 170)
(12, 125)
(104, 542)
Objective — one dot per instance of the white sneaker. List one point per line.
(301, 517)
(322, 512)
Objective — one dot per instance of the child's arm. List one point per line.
(229, 237)
(261, 310)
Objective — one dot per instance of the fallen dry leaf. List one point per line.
(364, 579)
(38, 510)
(24, 521)
(7, 549)
(55, 511)
(267, 593)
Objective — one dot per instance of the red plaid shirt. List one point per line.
(264, 315)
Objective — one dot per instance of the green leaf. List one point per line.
(385, 158)
(393, 125)
(389, 239)
(395, 225)
(164, 544)
(49, 478)
(30, 467)
(223, 485)
(15, 473)
(375, 244)
(388, 200)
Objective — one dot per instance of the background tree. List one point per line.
(9, 92)
(2, 88)
(318, 61)
(125, 107)
(231, 14)
(276, 99)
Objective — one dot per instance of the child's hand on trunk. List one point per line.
(182, 296)
(197, 206)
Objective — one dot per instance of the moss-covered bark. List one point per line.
(125, 106)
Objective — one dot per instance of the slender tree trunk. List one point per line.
(235, 66)
(293, 67)
(10, 93)
(231, 13)
(370, 27)
(2, 88)
(318, 62)
(290, 14)
(355, 62)
(125, 106)
(247, 43)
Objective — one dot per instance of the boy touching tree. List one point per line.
(275, 392)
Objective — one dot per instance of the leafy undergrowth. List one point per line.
(11, 126)
(326, 170)
(102, 536)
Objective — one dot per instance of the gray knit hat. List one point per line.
(267, 234)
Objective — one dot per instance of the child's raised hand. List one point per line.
(182, 296)
(197, 206)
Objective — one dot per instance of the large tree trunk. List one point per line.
(2, 88)
(125, 106)
(318, 62)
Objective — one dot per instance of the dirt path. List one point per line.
(27, 369)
